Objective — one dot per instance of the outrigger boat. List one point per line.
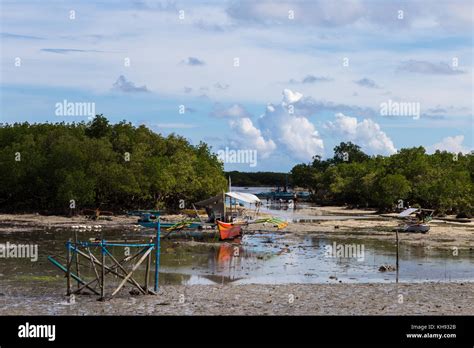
(226, 215)
(419, 222)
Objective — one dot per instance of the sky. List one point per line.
(284, 80)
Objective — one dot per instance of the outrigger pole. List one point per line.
(157, 254)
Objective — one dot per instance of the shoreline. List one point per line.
(255, 299)
(442, 235)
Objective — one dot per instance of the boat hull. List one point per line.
(228, 230)
(417, 228)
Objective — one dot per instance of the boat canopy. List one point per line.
(244, 197)
(240, 196)
(210, 201)
(407, 212)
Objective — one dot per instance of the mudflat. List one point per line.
(253, 299)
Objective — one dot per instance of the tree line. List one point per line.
(257, 178)
(48, 167)
(442, 181)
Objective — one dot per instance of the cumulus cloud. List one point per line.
(279, 128)
(292, 131)
(450, 144)
(365, 82)
(367, 134)
(250, 137)
(424, 67)
(290, 97)
(310, 106)
(193, 61)
(234, 111)
(123, 85)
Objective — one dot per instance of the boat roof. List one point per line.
(240, 196)
(407, 212)
(244, 197)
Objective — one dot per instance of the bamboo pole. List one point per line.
(398, 247)
(110, 269)
(76, 258)
(131, 272)
(68, 267)
(64, 269)
(147, 272)
(93, 266)
(157, 255)
(134, 282)
(102, 286)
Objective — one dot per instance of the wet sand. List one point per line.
(442, 235)
(252, 299)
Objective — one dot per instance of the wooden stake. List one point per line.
(76, 257)
(111, 269)
(398, 247)
(131, 272)
(93, 266)
(133, 281)
(68, 267)
(147, 272)
(102, 285)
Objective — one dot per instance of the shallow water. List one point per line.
(263, 258)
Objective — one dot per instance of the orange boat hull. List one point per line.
(228, 230)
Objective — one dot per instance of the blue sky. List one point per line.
(310, 75)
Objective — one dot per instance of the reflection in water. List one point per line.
(259, 258)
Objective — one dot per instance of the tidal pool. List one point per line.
(261, 258)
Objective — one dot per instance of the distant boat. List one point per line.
(419, 228)
(283, 195)
(418, 223)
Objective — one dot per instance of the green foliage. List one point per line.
(89, 163)
(441, 181)
(257, 178)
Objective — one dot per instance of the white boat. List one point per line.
(421, 228)
(418, 223)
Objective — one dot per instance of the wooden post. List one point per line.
(131, 280)
(102, 285)
(131, 272)
(157, 254)
(117, 265)
(398, 247)
(76, 258)
(147, 271)
(93, 266)
(68, 267)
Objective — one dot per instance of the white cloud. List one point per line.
(450, 144)
(250, 137)
(290, 97)
(367, 134)
(234, 111)
(293, 133)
